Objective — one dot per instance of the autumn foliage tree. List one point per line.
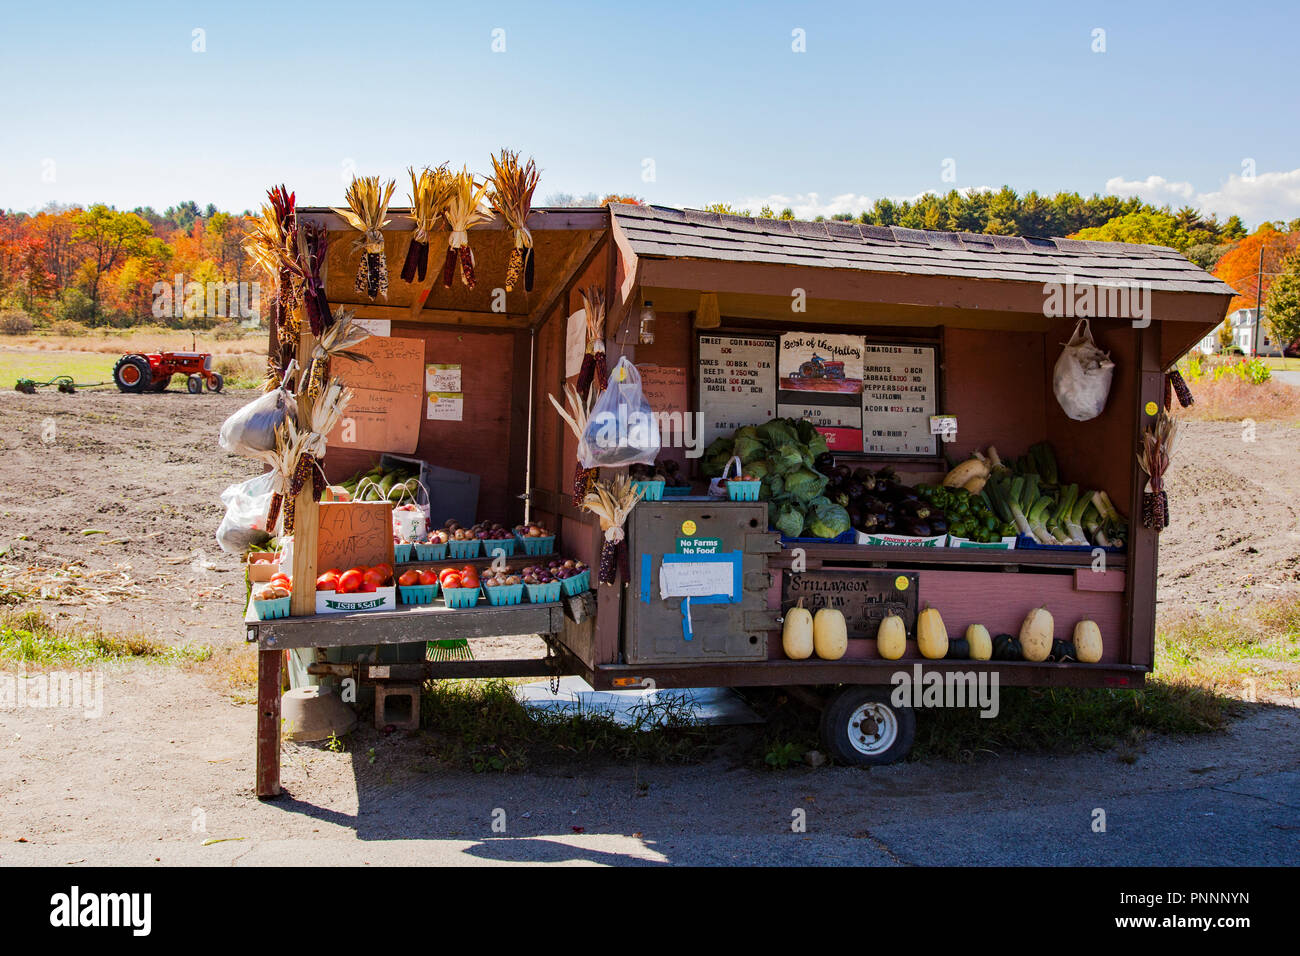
(1239, 267)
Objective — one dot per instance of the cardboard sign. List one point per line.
(864, 597)
(354, 534)
(384, 414)
(575, 343)
(664, 387)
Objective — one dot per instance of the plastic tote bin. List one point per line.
(417, 593)
(536, 546)
(460, 597)
(650, 490)
(430, 552)
(743, 490)
(270, 610)
(543, 593)
(577, 584)
(505, 595)
(463, 549)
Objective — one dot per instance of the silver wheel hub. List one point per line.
(873, 728)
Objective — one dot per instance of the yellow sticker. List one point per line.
(1152, 408)
(688, 526)
(901, 582)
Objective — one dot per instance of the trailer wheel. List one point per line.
(194, 384)
(216, 382)
(132, 373)
(862, 727)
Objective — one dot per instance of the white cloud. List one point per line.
(811, 205)
(1266, 196)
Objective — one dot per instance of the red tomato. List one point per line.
(426, 577)
(373, 578)
(332, 571)
(469, 582)
(283, 580)
(385, 569)
(451, 580)
(328, 581)
(410, 578)
(349, 581)
(446, 573)
(469, 569)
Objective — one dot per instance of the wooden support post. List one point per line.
(269, 663)
(306, 508)
(1143, 543)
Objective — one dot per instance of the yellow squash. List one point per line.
(830, 634)
(797, 634)
(931, 635)
(1087, 642)
(891, 638)
(981, 645)
(1036, 635)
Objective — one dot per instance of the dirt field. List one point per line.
(175, 746)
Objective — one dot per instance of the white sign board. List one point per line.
(898, 398)
(696, 579)
(737, 382)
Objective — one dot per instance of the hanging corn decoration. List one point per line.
(367, 206)
(1157, 451)
(612, 502)
(302, 450)
(336, 342)
(271, 242)
(429, 191)
(576, 417)
(464, 209)
(313, 241)
(512, 198)
(1175, 378)
(593, 369)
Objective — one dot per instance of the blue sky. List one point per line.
(109, 102)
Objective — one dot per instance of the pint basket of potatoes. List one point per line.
(503, 588)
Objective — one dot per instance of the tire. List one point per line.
(217, 382)
(888, 737)
(194, 384)
(161, 386)
(132, 374)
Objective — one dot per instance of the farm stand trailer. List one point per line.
(974, 306)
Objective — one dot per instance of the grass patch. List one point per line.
(480, 726)
(29, 637)
(1232, 399)
(1252, 653)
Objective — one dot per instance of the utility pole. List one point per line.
(1259, 301)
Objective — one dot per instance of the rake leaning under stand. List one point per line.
(450, 649)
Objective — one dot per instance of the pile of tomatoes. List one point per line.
(358, 580)
(466, 577)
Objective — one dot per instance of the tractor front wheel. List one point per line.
(195, 384)
(216, 382)
(132, 373)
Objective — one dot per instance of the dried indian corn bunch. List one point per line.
(336, 342)
(593, 362)
(612, 502)
(511, 197)
(429, 192)
(313, 241)
(367, 205)
(1157, 451)
(464, 209)
(269, 242)
(1175, 379)
(576, 417)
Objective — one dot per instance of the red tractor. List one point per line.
(152, 372)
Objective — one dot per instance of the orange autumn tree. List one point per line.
(1240, 266)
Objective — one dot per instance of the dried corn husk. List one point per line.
(576, 417)
(367, 205)
(271, 243)
(612, 502)
(512, 198)
(336, 342)
(429, 192)
(594, 369)
(464, 209)
(1158, 442)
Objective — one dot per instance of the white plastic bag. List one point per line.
(247, 504)
(622, 429)
(1081, 379)
(718, 487)
(251, 430)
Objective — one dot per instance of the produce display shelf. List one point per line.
(902, 554)
(405, 623)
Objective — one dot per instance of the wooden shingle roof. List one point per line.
(663, 232)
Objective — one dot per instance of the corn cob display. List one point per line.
(429, 193)
(464, 209)
(1175, 378)
(576, 416)
(367, 205)
(336, 342)
(511, 197)
(593, 362)
(612, 502)
(269, 243)
(1157, 451)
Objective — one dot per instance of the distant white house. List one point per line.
(1248, 334)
